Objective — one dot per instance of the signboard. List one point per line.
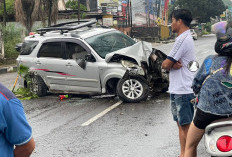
(108, 20)
(109, 2)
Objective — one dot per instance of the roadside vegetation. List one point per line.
(11, 35)
(25, 93)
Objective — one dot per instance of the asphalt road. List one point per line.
(92, 127)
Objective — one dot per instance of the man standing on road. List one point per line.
(180, 77)
(15, 132)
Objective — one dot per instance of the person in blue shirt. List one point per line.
(213, 84)
(15, 133)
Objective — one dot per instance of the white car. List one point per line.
(194, 34)
(85, 59)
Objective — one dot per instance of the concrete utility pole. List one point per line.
(158, 10)
(79, 3)
(148, 13)
(87, 5)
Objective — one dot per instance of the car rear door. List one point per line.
(83, 80)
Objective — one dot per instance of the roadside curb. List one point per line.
(7, 69)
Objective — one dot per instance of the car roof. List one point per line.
(79, 33)
(92, 32)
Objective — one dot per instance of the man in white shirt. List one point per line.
(180, 77)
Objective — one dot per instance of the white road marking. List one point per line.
(101, 114)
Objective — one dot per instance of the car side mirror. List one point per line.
(18, 47)
(82, 63)
(90, 58)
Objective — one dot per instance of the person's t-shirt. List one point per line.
(183, 51)
(14, 128)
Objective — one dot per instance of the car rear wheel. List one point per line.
(38, 86)
(132, 89)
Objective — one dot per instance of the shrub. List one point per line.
(11, 36)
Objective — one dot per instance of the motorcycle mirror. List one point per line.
(193, 66)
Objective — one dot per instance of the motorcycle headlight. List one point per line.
(133, 68)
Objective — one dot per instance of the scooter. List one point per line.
(218, 134)
(218, 138)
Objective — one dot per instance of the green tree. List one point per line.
(9, 7)
(202, 9)
(73, 4)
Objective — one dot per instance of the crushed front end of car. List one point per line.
(143, 75)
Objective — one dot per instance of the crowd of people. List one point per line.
(212, 83)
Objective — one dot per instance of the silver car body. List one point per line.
(65, 75)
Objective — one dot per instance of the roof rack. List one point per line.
(65, 27)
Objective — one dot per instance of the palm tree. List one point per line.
(27, 12)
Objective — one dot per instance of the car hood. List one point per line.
(139, 51)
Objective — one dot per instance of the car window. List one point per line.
(28, 47)
(109, 42)
(51, 49)
(75, 51)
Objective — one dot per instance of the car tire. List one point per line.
(132, 89)
(38, 86)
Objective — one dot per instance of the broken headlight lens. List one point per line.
(128, 64)
(133, 68)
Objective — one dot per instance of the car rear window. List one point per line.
(28, 47)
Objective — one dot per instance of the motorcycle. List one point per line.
(218, 134)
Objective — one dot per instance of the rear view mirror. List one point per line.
(193, 66)
(18, 47)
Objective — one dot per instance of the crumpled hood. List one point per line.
(139, 51)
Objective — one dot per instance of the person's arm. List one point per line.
(167, 64)
(25, 150)
(170, 63)
(18, 131)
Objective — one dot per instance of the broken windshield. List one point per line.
(109, 42)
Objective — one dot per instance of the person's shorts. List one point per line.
(202, 119)
(182, 108)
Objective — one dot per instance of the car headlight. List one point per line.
(133, 68)
(128, 64)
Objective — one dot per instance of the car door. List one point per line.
(51, 65)
(83, 80)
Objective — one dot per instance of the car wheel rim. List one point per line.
(132, 89)
(34, 86)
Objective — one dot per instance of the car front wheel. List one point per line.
(133, 89)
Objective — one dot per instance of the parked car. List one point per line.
(194, 34)
(88, 59)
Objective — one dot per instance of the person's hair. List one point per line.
(183, 14)
(228, 64)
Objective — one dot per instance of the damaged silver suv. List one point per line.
(83, 58)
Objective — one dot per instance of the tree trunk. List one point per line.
(2, 54)
(49, 12)
(5, 13)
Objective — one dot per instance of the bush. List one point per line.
(73, 4)
(11, 36)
